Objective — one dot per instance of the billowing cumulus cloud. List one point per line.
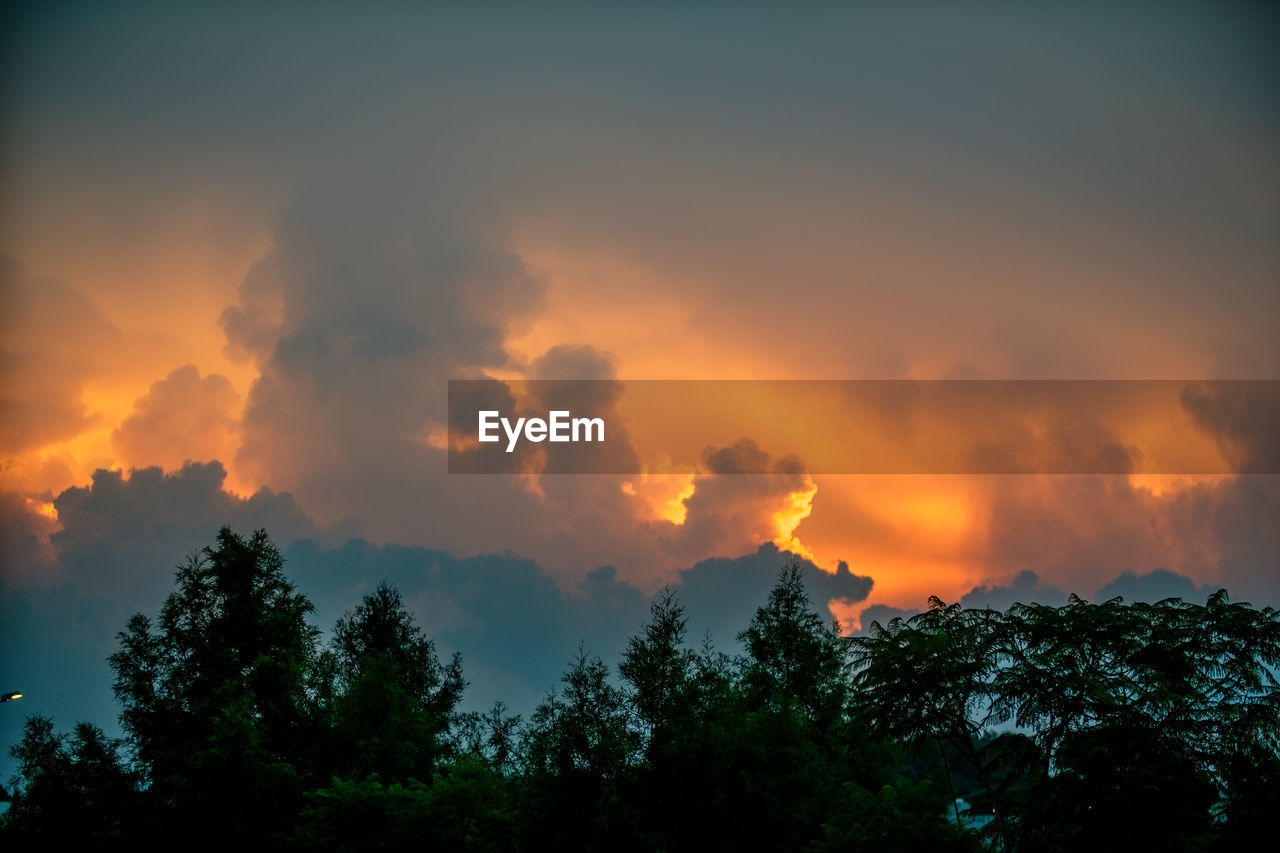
(379, 290)
(376, 291)
(122, 536)
(183, 417)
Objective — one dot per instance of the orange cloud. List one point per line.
(182, 418)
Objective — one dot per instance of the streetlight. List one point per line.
(9, 697)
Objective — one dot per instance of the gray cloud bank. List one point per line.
(514, 622)
(62, 599)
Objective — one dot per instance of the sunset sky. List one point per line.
(251, 248)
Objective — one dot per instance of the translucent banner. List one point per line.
(864, 426)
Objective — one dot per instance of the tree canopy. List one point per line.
(1087, 726)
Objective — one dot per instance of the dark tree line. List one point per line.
(1083, 727)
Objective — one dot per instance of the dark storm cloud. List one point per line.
(123, 537)
(1244, 520)
(513, 625)
(1125, 158)
(1025, 588)
(1082, 532)
(743, 490)
(882, 614)
(382, 286)
(64, 596)
(1154, 586)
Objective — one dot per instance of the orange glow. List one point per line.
(915, 535)
(45, 509)
(1165, 484)
(108, 405)
(662, 495)
(799, 507)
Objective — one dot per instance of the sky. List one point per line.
(246, 247)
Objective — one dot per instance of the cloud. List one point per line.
(1027, 588)
(745, 495)
(883, 614)
(722, 593)
(183, 417)
(52, 343)
(1078, 533)
(26, 556)
(516, 626)
(515, 622)
(381, 287)
(66, 588)
(1244, 418)
(122, 536)
(1154, 586)
(1023, 589)
(378, 289)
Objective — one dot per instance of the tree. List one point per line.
(465, 808)
(903, 818)
(1201, 677)
(214, 694)
(396, 700)
(1113, 702)
(380, 631)
(927, 680)
(796, 743)
(74, 790)
(685, 706)
(660, 668)
(491, 737)
(580, 748)
(794, 659)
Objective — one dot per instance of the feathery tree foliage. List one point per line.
(1084, 727)
(214, 693)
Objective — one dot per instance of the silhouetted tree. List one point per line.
(686, 706)
(927, 680)
(905, 818)
(72, 791)
(464, 808)
(1135, 726)
(394, 701)
(794, 658)
(793, 742)
(580, 748)
(214, 694)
